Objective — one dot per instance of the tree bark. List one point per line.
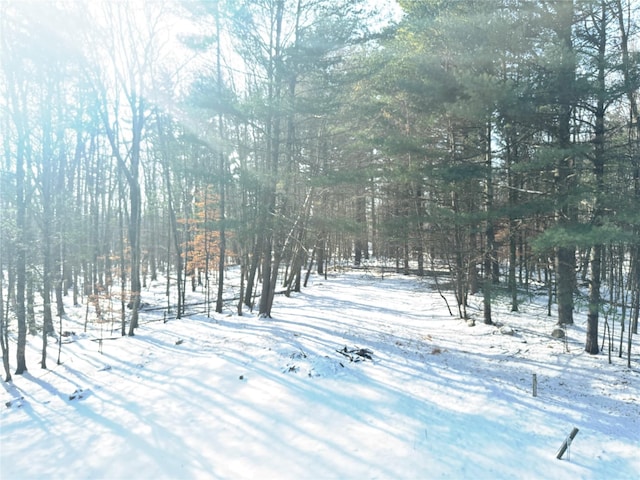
(591, 344)
(565, 165)
(490, 253)
(20, 259)
(4, 333)
(270, 250)
(222, 163)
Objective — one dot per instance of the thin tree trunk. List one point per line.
(266, 277)
(47, 322)
(242, 275)
(4, 331)
(31, 300)
(222, 177)
(134, 243)
(591, 345)
(251, 277)
(123, 270)
(176, 238)
(625, 25)
(490, 247)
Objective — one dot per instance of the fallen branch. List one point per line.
(356, 354)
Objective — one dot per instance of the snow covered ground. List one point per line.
(357, 377)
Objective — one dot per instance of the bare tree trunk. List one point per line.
(361, 225)
(270, 250)
(267, 248)
(490, 247)
(565, 165)
(175, 234)
(30, 306)
(21, 260)
(251, 277)
(4, 332)
(625, 26)
(47, 322)
(591, 345)
(123, 270)
(134, 244)
(241, 295)
(222, 163)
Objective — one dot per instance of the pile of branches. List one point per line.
(356, 354)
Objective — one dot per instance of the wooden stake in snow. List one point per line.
(567, 443)
(535, 385)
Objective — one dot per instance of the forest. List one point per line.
(492, 144)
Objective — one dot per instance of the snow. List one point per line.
(232, 397)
